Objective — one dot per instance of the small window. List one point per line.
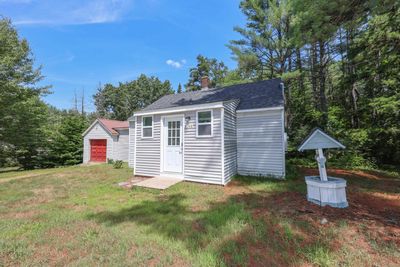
(147, 128)
(204, 123)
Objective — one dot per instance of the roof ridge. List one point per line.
(227, 86)
(256, 94)
(110, 119)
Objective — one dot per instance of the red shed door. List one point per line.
(98, 150)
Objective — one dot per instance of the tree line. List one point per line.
(34, 134)
(339, 61)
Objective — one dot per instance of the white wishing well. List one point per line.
(323, 189)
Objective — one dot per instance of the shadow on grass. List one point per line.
(170, 217)
(293, 182)
(270, 224)
(10, 169)
(242, 230)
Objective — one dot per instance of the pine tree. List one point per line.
(67, 145)
(211, 67)
(22, 112)
(179, 88)
(338, 60)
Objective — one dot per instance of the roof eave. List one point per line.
(218, 104)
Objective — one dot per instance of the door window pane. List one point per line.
(174, 133)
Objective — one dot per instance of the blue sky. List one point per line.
(83, 43)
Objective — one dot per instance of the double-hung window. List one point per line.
(204, 123)
(147, 127)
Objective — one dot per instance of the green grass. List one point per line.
(78, 216)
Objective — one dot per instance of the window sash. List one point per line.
(198, 123)
(147, 126)
(144, 121)
(207, 120)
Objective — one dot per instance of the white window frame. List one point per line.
(146, 127)
(204, 123)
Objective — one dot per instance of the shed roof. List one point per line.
(113, 125)
(110, 126)
(262, 94)
(319, 139)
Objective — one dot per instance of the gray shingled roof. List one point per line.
(262, 94)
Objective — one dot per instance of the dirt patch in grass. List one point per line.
(61, 246)
(363, 180)
(366, 232)
(29, 214)
(41, 195)
(62, 235)
(293, 233)
(25, 176)
(132, 251)
(362, 206)
(136, 254)
(235, 188)
(52, 255)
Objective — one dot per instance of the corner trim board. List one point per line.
(223, 146)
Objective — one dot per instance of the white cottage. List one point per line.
(212, 134)
(106, 139)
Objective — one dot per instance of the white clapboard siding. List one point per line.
(131, 155)
(97, 132)
(202, 155)
(121, 146)
(260, 137)
(230, 140)
(147, 149)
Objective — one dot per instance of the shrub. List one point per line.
(110, 161)
(118, 164)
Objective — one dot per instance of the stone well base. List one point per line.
(331, 192)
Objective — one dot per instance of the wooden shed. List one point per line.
(106, 139)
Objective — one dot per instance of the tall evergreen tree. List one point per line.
(21, 110)
(67, 143)
(211, 67)
(179, 88)
(264, 49)
(338, 60)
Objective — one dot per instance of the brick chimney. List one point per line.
(205, 81)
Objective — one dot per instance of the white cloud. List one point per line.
(176, 64)
(48, 12)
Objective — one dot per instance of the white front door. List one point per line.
(173, 144)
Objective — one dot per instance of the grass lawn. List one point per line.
(78, 216)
